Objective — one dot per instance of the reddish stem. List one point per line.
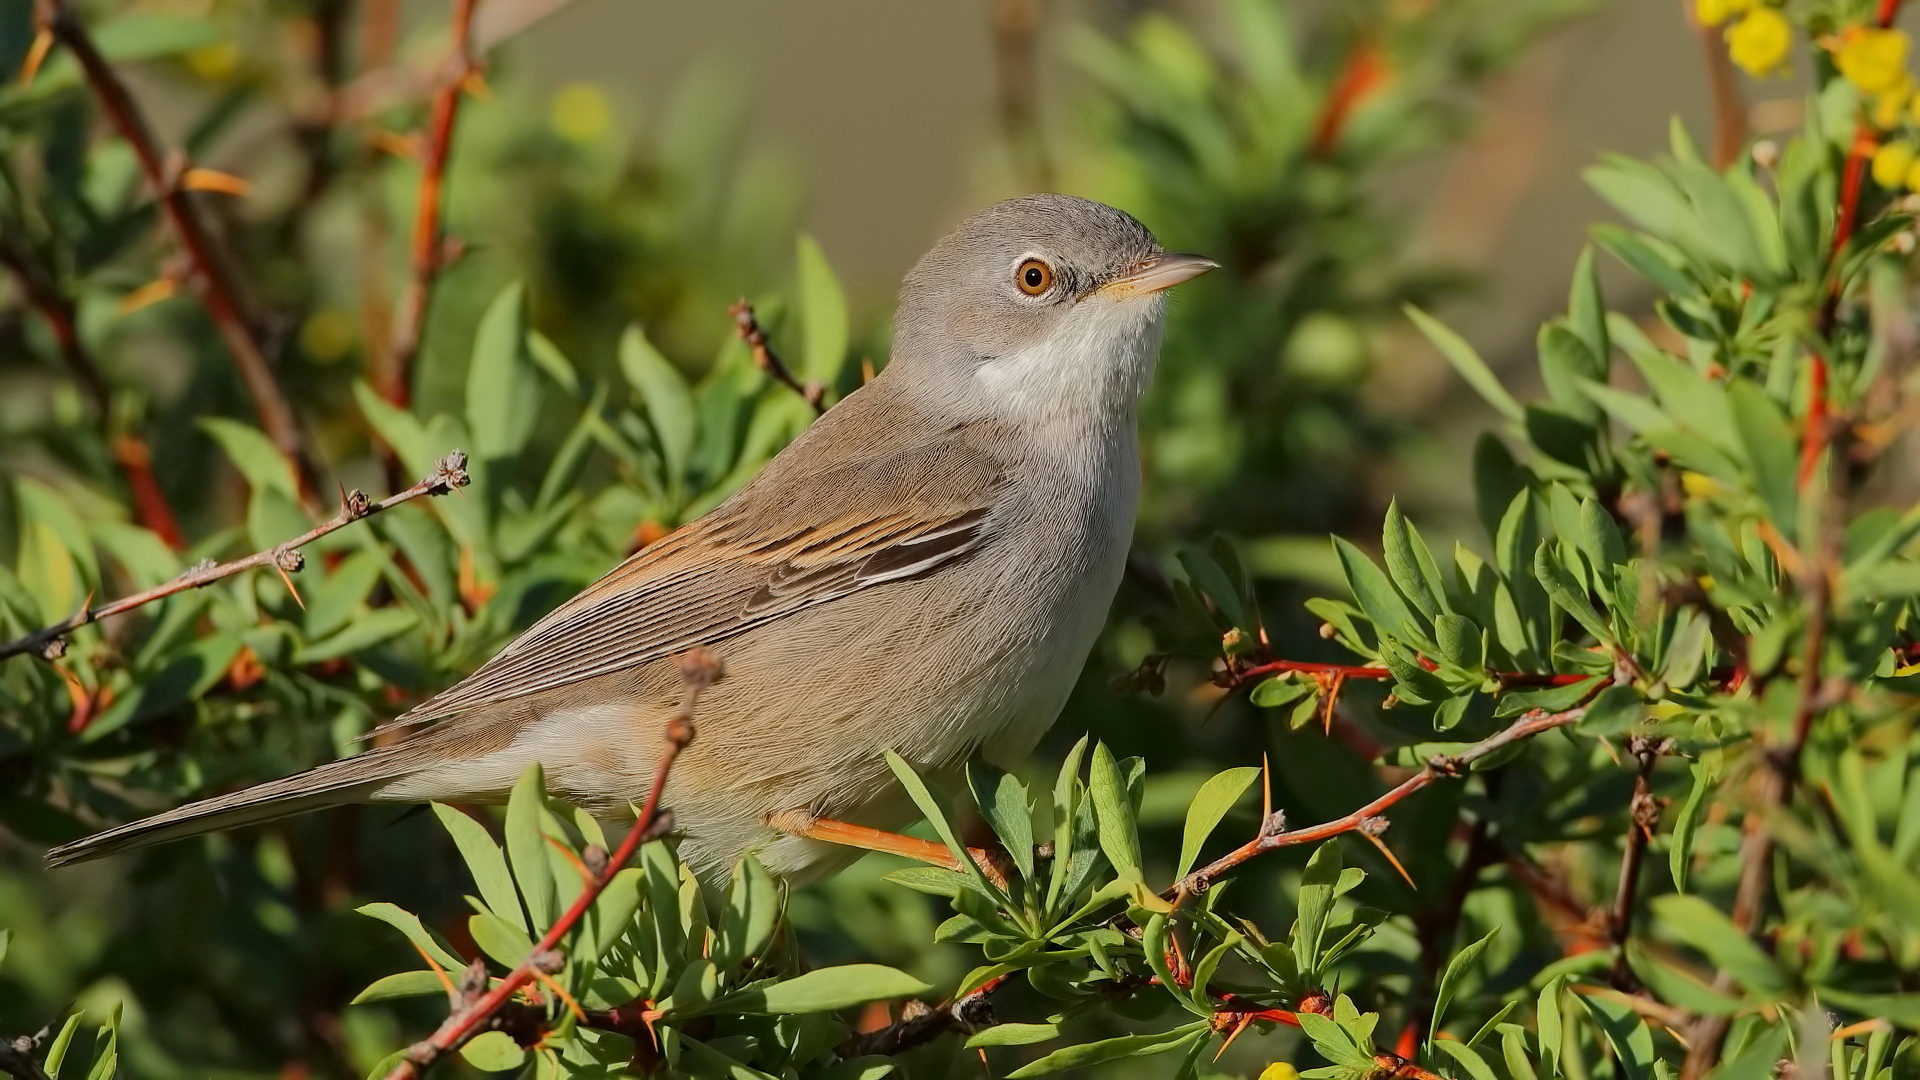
(1813, 431)
(425, 248)
(1364, 71)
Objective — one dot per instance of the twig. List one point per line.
(426, 252)
(1729, 111)
(1643, 814)
(1274, 834)
(16, 1056)
(699, 669)
(48, 642)
(129, 450)
(965, 1013)
(1506, 678)
(219, 289)
(764, 358)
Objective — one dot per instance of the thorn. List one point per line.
(1385, 851)
(474, 84)
(401, 145)
(146, 295)
(214, 180)
(287, 562)
(36, 55)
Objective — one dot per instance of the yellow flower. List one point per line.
(1715, 12)
(1891, 106)
(1913, 177)
(1280, 1070)
(1699, 485)
(1890, 164)
(1759, 41)
(579, 112)
(1874, 61)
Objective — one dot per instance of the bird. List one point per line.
(924, 570)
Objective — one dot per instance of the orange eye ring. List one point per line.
(1033, 277)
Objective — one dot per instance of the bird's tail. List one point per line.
(333, 784)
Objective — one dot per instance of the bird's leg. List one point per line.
(867, 838)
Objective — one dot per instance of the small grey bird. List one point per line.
(923, 571)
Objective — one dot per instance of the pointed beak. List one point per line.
(1163, 272)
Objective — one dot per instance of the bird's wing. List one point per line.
(798, 536)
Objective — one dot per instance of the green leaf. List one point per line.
(485, 862)
(1758, 1059)
(1631, 1041)
(930, 809)
(527, 846)
(261, 462)
(375, 627)
(1012, 1035)
(1468, 1057)
(402, 984)
(1450, 980)
(1467, 362)
(822, 990)
(752, 912)
(503, 387)
(493, 1051)
(1687, 824)
(1513, 1049)
(1703, 926)
(409, 924)
(1376, 595)
(1113, 808)
(1567, 594)
(1600, 540)
(1409, 562)
(1008, 813)
(1317, 883)
(1211, 803)
(1679, 987)
(1565, 362)
(1587, 311)
(1772, 450)
(1208, 576)
(1548, 1020)
(1124, 1046)
(666, 396)
(823, 316)
(1612, 711)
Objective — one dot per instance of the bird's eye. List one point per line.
(1034, 277)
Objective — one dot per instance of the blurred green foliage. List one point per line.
(1670, 568)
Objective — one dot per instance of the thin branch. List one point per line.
(1274, 834)
(426, 249)
(49, 642)
(16, 1056)
(219, 288)
(764, 358)
(1643, 814)
(699, 669)
(1729, 110)
(917, 1027)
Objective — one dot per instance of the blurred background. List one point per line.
(645, 163)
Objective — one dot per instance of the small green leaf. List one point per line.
(493, 1051)
(1468, 1057)
(1376, 595)
(1704, 927)
(527, 846)
(1451, 979)
(409, 924)
(930, 808)
(261, 462)
(1209, 805)
(1567, 594)
(823, 316)
(485, 862)
(1772, 450)
(503, 388)
(667, 399)
(1124, 1046)
(1317, 883)
(1759, 1059)
(1012, 1035)
(402, 984)
(1008, 813)
(1687, 824)
(1467, 362)
(1612, 711)
(1628, 1035)
(1113, 806)
(1408, 562)
(823, 990)
(1548, 1020)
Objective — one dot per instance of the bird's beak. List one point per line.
(1164, 272)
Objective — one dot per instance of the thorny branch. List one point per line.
(219, 290)
(1274, 834)
(49, 642)
(474, 1011)
(923, 1025)
(426, 251)
(764, 358)
(1643, 816)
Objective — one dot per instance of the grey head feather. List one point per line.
(961, 304)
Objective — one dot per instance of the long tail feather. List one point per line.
(333, 784)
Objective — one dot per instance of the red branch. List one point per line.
(699, 669)
(1506, 678)
(219, 288)
(426, 252)
(1274, 834)
(49, 642)
(1813, 431)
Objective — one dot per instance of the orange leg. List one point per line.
(867, 838)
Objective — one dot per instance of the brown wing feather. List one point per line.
(794, 538)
